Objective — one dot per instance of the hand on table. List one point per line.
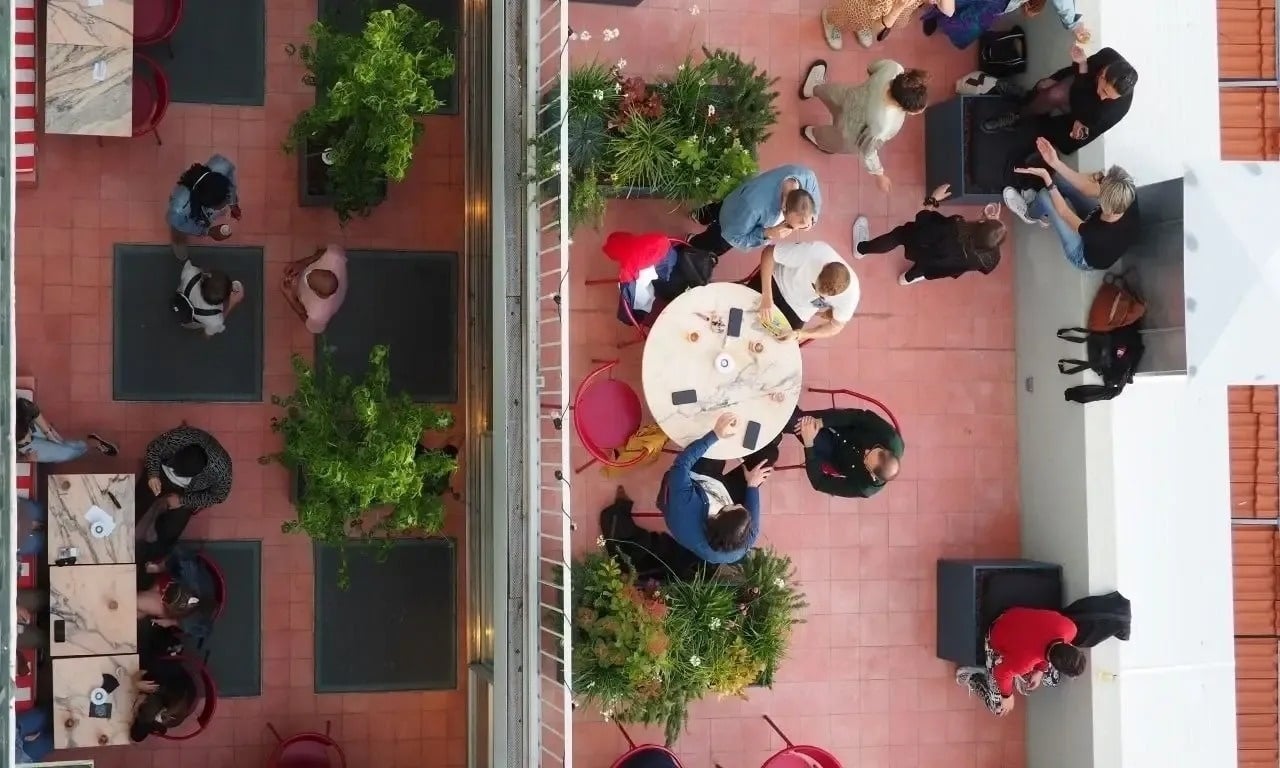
(726, 425)
(766, 310)
(807, 428)
(153, 483)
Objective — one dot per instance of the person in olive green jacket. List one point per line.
(848, 452)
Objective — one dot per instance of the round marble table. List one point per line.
(695, 369)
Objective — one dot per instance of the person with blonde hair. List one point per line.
(1094, 215)
(803, 281)
(872, 20)
(865, 116)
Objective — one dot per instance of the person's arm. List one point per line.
(874, 67)
(1087, 183)
(741, 224)
(678, 477)
(222, 165)
(1064, 209)
(298, 265)
(767, 262)
(828, 327)
(844, 487)
(218, 473)
(871, 158)
(1067, 13)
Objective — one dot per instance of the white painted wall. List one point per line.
(1103, 486)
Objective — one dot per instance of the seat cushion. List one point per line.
(607, 413)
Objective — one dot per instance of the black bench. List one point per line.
(972, 593)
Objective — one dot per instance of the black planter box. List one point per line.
(977, 165)
(313, 189)
(972, 593)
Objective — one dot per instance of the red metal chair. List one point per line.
(642, 328)
(150, 96)
(206, 698)
(635, 752)
(219, 584)
(606, 413)
(155, 21)
(309, 749)
(833, 392)
(798, 755)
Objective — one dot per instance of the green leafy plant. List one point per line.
(690, 137)
(723, 633)
(356, 446)
(371, 88)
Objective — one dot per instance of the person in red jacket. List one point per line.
(1024, 646)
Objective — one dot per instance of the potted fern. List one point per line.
(356, 453)
(371, 88)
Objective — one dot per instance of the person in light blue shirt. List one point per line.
(766, 208)
(715, 515)
(204, 193)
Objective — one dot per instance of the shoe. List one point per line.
(817, 75)
(1006, 122)
(965, 674)
(105, 446)
(883, 34)
(865, 38)
(835, 40)
(903, 280)
(1016, 201)
(930, 26)
(861, 234)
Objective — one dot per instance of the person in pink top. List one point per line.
(316, 285)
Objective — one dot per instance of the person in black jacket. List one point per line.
(166, 698)
(1078, 103)
(937, 246)
(848, 452)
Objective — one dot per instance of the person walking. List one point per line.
(872, 20)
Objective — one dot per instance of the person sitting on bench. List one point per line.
(769, 207)
(848, 452)
(804, 280)
(204, 299)
(315, 286)
(714, 515)
(1023, 643)
(185, 470)
(38, 441)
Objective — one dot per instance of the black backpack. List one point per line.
(1113, 355)
(693, 268)
(183, 310)
(1003, 54)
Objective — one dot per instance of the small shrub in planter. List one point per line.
(353, 446)
(374, 86)
(691, 137)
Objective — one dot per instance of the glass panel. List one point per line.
(1247, 39)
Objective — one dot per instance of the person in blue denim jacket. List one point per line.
(204, 193)
(767, 208)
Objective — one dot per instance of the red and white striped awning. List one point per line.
(24, 86)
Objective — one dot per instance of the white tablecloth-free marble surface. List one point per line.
(71, 497)
(94, 608)
(73, 681)
(762, 382)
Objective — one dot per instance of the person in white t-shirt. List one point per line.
(211, 295)
(804, 280)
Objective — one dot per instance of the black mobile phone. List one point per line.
(751, 435)
(684, 397)
(59, 631)
(735, 322)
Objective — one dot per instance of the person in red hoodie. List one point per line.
(1024, 646)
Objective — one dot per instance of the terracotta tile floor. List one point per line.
(862, 679)
(91, 197)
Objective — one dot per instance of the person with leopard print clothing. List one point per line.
(185, 470)
(1025, 648)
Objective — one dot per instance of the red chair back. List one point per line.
(150, 94)
(619, 404)
(643, 750)
(207, 694)
(802, 756)
(308, 750)
(219, 584)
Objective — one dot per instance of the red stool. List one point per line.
(645, 754)
(207, 696)
(797, 755)
(150, 96)
(155, 21)
(219, 584)
(606, 413)
(310, 749)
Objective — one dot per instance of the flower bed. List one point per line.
(642, 653)
(691, 137)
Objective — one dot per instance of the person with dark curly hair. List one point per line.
(865, 116)
(204, 193)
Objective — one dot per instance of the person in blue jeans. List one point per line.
(36, 515)
(1094, 215)
(34, 735)
(38, 441)
(714, 515)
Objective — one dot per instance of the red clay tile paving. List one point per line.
(90, 197)
(862, 679)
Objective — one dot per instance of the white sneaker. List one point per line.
(965, 674)
(835, 40)
(865, 38)
(1016, 201)
(902, 279)
(861, 234)
(807, 132)
(816, 76)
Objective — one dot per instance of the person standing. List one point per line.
(768, 207)
(204, 299)
(184, 470)
(315, 286)
(1078, 103)
(865, 116)
(937, 246)
(1023, 643)
(871, 20)
(1095, 216)
(804, 280)
(973, 17)
(204, 194)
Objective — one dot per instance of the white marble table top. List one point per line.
(73, 681)
(88, 89)
(762, 384)
(71, 497)
(109, 23)
(93, 609)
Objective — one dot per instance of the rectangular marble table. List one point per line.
(74, 681)
(88, 67)
(74, 503)
(93, 609)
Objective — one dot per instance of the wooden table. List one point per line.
(689, 350)
(88, 67)
(71, 497)
(93, 609)
(73, 681)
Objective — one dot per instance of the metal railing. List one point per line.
(547, 305)
(8, 332)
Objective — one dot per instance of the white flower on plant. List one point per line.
(779, 583)
(702, 82)
(584, 35)
(680, 68)
(674, 162)
(727, 130)
(715, 623)
(622, 64)
(711, 110)
(617, 87)
(607, 715)
(695, 661)
(555, 167)
(599, 94)
(600, 541)
(573, 35)
(694, 10)
(610, 34)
